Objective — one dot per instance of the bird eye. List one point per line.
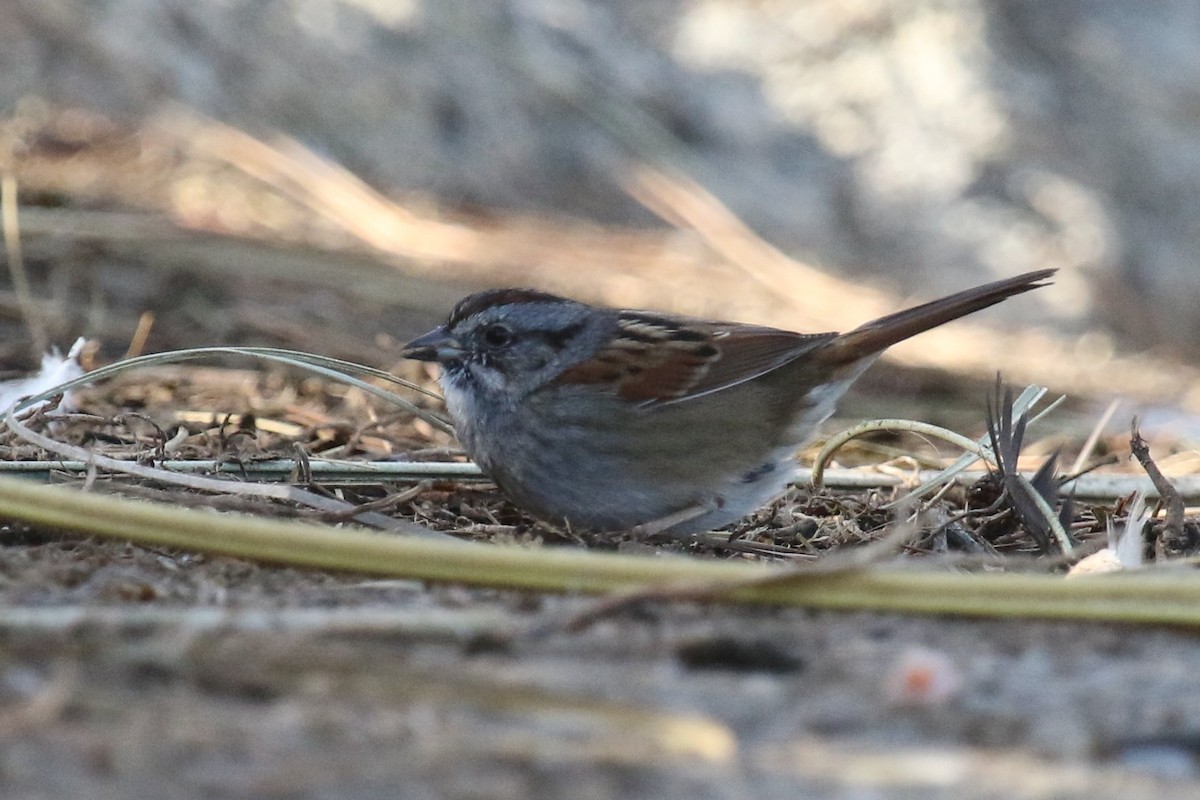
(497, 335)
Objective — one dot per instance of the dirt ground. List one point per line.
(116, 683)
(134, 672)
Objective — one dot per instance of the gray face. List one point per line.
(511, 349)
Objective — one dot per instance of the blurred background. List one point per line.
(332, 174)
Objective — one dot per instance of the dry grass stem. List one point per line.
(872, 426)
(1162, 597)
(10, 225)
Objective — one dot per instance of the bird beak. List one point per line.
(437, 345)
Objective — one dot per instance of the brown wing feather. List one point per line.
(744, 353)
(657, 360)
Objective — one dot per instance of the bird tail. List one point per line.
(878, 335)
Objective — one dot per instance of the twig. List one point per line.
(137, 342)
(1094, 437)
(1087, 487)
(1073, 476)
(280, 469)
(822, 459)
(1172, 533)
(16, 265)
(382, 504)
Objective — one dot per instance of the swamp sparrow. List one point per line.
(614, 420)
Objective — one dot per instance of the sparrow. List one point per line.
(617, 419)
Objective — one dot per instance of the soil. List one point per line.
(132, 673)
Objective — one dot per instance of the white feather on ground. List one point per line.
(1124, 549)
(56, 369)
